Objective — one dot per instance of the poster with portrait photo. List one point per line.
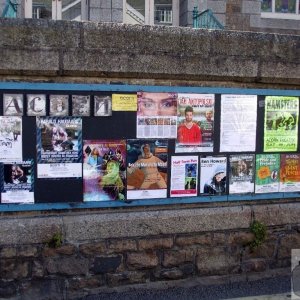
(59, 105)
(10, 139)
(104, 170)
(195, 132)
(213, 172)
(184, 176)
(147, 168)
(59, 147)
(36, 105)
(241, 173)
(13, 105)
(157, 115)
(289, 173)
(102, 106)
(18, 182)
(81, 106)
(267, 173)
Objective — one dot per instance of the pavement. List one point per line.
(276, 288)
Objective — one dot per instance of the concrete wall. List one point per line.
(105, 248)
(39, 47)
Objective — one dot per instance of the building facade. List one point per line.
(280, 16)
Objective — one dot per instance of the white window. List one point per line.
(283, 9)
(163, 12)
(55, 9)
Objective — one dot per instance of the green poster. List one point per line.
(281, 123)
(267, 173)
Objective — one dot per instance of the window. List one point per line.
(55, 9)
(284, 9)
(163, 12)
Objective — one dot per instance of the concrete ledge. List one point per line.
(128, 51)
(77, 227)
(116, 225)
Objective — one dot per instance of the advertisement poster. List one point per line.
(147, 169)
(213, 175)
(184, 176)
(104, 170)
(281, 123)
(59, 147)
(10, 139)
(289, 173)
(36, 105)
(238, 123)
(195, 132)
(241, 176)
(18, 181)
(267, 173)
(156, 115)
(13, 105)
(124, 102)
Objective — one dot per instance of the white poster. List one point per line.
(238, 123)
(10, 139)
(184, 176)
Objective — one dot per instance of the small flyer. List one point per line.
(184, 176)
(213, 175)
(267, 173)
(124, 102)
(147, 169)
(10, 139)
(157, 115)
(289, 173)
(36, 105)
(13, 105)
(59, 147)
(81, 106)
(59, 105)
(102, 106)
(18, 182)
(104, 170)
(195, 132)
(241, 176)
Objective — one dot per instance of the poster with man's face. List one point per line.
(195, 119)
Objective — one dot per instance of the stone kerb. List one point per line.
(79, 227)
(33, 47)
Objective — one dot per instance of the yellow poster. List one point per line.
(124, 102)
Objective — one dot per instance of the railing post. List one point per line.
(195, 17)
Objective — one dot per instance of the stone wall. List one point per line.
(105, 248)
(63, 49)
(108, 249)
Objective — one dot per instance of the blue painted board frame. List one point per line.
(135, 88)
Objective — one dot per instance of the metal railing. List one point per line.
(205, 19)
(10, 9)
